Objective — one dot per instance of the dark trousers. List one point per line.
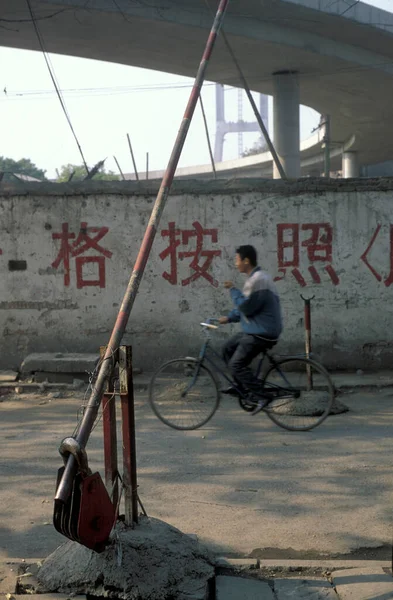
(238, 353)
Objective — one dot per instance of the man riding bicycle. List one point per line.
(259, 312)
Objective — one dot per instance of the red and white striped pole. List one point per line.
(93, 404)
(307, 328)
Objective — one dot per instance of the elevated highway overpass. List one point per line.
(323, 54)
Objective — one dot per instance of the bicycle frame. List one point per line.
(203, 356)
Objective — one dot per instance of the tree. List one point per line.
(24, 166)
(80, 173)
(259, 147)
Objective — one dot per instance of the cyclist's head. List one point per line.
(246, 258)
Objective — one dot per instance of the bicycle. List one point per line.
(184, 393)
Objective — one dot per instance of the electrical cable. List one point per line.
(104, 91)
(52, 75)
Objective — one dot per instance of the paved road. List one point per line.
(240, 484)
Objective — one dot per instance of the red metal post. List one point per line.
(307, 327)
(82, 436)
(130, 482)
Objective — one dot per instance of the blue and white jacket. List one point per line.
(258, 307)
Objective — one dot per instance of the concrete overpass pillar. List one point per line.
(350, 165)
(286, 122)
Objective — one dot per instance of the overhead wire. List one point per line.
(229, 81)
(349, 7)
(103, 91)
(52, 75)
(40, 18)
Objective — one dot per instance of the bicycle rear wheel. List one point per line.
(184, 394)
(302, 393)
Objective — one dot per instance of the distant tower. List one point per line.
(223, 127)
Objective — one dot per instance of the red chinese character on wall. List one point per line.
(318, 246)
(87, 239)
(389, 280)
(201, 258)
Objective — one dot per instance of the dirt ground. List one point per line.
(243, 485)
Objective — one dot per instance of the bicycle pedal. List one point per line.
(259, 407)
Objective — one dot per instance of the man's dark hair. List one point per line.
(249, 252)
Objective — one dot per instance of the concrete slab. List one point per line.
(8, 578)
(238, 588)
(138, 564)
(238, 563)
(59, 362)
(68, 378)
(8, 376)
(328, 564)
(347, 381)
(304, 589)
(49, 597)
(363, 584)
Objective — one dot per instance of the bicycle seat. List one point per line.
(269, 342)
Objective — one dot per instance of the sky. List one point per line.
(105, 102)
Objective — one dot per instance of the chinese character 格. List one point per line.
(87, 239)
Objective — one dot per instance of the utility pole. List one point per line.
(326, 141)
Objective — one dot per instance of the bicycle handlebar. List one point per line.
(209, 324)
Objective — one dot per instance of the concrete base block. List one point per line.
(363, 584)
(68, 378)
(59, 363)
(304, 589)
(237, 588)
(49, 597)
(153, 560)
(8, 376)
(238, 563)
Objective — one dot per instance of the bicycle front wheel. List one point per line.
(302, 392)
(184, 394)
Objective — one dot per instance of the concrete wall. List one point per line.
(67, 252)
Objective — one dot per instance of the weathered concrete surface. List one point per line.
(236, 588)
(240, 564)
(59, 362)
(295, 588)
(8, 578)
(154, 560)
(363, 584)
(49, 597)
(79, 244)
(243, 485)
(6, 376)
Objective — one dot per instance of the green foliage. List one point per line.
(80, 173)
(259, 147)
(24, 166)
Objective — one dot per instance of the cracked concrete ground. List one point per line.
(241, 484)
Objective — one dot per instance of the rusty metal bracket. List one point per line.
(122, 362)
